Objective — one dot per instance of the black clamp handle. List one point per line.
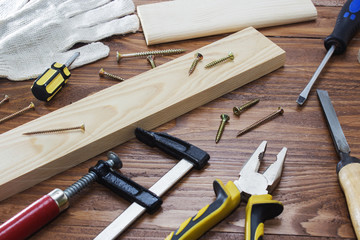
(174, 147)
(125, 187)
(130, 190)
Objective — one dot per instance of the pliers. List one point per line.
(252, 187)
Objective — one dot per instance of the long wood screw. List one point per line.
(224, 119)
(216, 62)
(6, 98)
(198, 58)
(238, 110)
(102, 73)
(258, 123)
(58, 130)
(32, 105)
(151, 59)
(144, 54)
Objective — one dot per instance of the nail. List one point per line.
(198, 58)
(238, 110)
(151, 58)
(277, 112)
(224, 119)
(216, 62)
(102, 73)
(144, 54)
(58, 130)
(17, 113)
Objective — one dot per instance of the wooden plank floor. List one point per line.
(315, 207)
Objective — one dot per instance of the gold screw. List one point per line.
(18, 112)
(238, 110)
(144, 54)
(151, 58)
(6, 98)
(81, 127)
(257, 123)
(198, 58)
(216, 62)
(102, 73)
(224, 119)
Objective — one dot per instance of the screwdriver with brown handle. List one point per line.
(348, 169)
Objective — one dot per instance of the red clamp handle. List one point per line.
(29, 220)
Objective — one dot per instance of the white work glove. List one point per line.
(43, 31)
(10, 7)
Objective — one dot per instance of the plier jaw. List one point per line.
(251, 182)
(251, 186)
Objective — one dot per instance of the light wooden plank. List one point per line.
(185, 19)
(147, 100)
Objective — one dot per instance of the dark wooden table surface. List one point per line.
(315, 206)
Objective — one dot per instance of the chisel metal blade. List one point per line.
(337, 134)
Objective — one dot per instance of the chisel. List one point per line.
(348, 169)
(347, 25)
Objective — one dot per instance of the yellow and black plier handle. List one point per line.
(259, 209)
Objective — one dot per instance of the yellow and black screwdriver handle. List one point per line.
(52, 80)
(228, 197)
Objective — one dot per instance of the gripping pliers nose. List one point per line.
(252, 187)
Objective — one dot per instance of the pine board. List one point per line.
(185, 19)
(146, 100)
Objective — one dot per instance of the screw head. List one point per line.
(82, 127)
(225, 117)
(101, 72)
(281, 110)
(32, 105)
(237, 111)
(118, 56)
(199, 56)
(231, 56)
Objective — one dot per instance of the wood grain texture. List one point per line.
(314, 205)
(147, 100)
(179, 20)
(349, 180)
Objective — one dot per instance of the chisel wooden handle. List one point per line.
(32, 218)
(349, 177)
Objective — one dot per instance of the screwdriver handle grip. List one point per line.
(227, 199)
(29, 220)
(258, 209)
(347, 25)
(349, 181)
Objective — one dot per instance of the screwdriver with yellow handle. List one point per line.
(251, 186)
(52, 80)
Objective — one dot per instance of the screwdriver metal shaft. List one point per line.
(72, 59)
(304, 94)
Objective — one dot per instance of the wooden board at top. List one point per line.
(185, 19)
(147, 100)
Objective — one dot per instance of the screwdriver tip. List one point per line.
(300, 100)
